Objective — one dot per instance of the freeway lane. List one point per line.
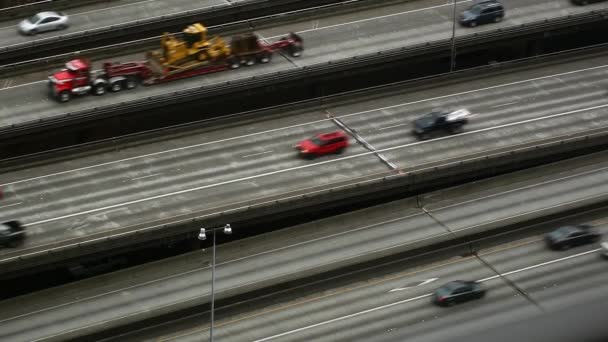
(211, 170)
(118, 13)
(547, 279)
(333, 42)
(326, 244)
(380, 305)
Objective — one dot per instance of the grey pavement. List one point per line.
(329, 244)
(209, 170)
(330, 39)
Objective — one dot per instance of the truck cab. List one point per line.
(75, 79)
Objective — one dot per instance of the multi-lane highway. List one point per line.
(326, 39)
(522, 278)
(130, 295)
(114, 14)
(212, 170)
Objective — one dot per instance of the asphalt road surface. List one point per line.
(213, 169)
(523, 278)
(118, 12)
(326, 39)
(251, 264)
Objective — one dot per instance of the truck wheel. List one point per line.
(99, 89)
(264, 57)
(250, 61)
(116, 86)
(131, 82)
(234, 62)
(64, 96)
(294, 51)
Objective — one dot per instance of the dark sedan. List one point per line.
(439, 120)
(570, 236)
(11, 233)
(458, 291)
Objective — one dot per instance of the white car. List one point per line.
(44, 21)
(604, 249)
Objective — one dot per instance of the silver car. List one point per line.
(43, 21)
(604, 249)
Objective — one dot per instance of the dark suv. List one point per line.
(440, 120)
(488, 11)
(11, 233)
(322, 144)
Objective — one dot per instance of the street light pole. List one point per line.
(453, 52)
(212, 288)
(203, 236)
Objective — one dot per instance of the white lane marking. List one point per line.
(21, 85)
(393, 126)
(142, 177)
(505, 104)
(428, 281)
(540, 265)
(344, 317)
(298, 125)
(217, 264)
(297, 168)
(374, 18)
(475, 90)
(256, 154)
(525, 187)
(411, 299)
(10, 205)
(111, 8)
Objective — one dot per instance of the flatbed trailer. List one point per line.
(247, 49)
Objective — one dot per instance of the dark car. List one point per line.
(12, 233)
(570, 236)
(322, 144)
(458, 291)
(585, 2)
(488, 11)
(439, 120)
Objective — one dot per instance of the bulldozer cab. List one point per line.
(195, 36)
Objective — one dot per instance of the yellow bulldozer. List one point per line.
(177, 52)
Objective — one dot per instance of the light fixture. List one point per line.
(227, 229)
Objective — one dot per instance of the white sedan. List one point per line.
(44, 21)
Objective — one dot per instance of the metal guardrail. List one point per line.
(299, 72)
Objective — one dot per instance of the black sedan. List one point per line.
(11, 233)
(570, 236)
(458, 291)
(438, 120)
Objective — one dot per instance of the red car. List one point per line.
(322, 144)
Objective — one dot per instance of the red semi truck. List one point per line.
(179, 58)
